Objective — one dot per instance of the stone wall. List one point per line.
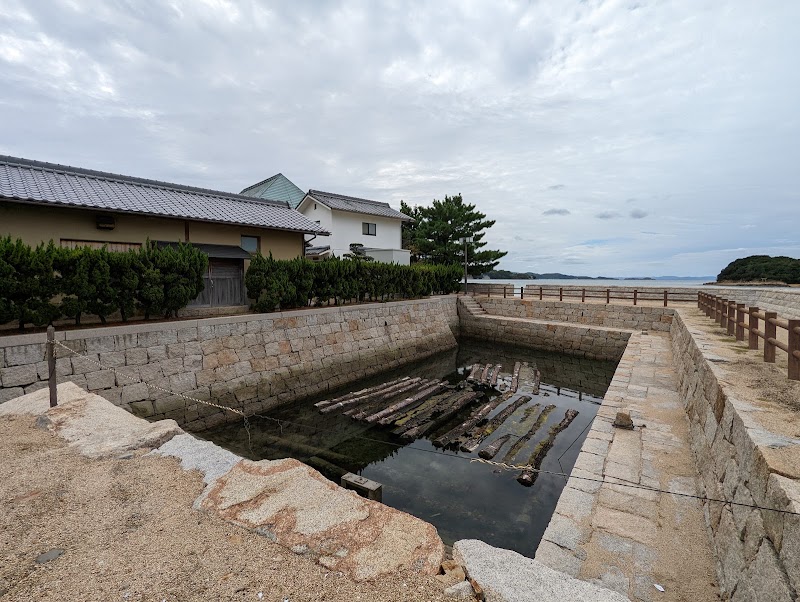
(250, 362)
(593, 342)
(740, 460)
(611, 316)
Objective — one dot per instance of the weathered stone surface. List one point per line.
(298, 506)
(507, 576)
(134, 392)
(102, 379)
(766, 578)
(460, 591)
(18, 376)
(90, 423)
(195, 454)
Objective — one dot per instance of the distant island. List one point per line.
(508, 275)
(758, 268)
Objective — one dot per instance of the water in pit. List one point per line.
(462, 499)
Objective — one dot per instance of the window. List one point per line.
(251, 244)
(368, 229)
(117, 247)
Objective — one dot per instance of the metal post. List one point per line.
(51, 365)
(665, 298)
(608, 295)
(752, 340)
(583, 295)
(541, 293)
(561, 293)
(770, 332)
(635, 294)
(522, 292)
(794, 349)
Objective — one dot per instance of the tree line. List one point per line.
(288, 283)
(45, 283)
(758, 267)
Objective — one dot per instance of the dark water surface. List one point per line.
(462, 499)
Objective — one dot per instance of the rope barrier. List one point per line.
(501, 465)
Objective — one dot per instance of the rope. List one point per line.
(501, 465)
(162, 389)
(623, 483)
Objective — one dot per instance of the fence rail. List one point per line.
(731, 316)
(561, 293)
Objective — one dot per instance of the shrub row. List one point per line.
(42, 284)
(282, 284)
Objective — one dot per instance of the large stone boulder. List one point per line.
(297, 507)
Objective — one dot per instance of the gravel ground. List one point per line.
(128, 532)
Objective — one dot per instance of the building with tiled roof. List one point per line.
(80, 207)
(276, 188)
(352, 220)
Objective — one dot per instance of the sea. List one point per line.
(683, 282)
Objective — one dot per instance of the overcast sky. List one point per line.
(616, 138)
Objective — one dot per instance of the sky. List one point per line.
(606, 138)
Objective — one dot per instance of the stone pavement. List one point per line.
(628, 539)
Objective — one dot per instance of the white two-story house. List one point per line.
(352, 220)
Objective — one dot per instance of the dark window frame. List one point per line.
(369, 229)
(256, 238)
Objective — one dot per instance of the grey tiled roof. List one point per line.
(37, 182)
(356, 205)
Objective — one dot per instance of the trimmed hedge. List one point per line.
(283, 284)
(42, 284)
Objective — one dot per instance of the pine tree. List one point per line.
(439, 228)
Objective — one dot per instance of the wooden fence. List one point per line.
(731, 316)
(608, 295)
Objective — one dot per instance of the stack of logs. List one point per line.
(426, 403)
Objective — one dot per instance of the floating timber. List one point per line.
(490, 451)
(528, 477)
(361, 399)
(495, 374)
(381, 400)
(327, 402)
(475, 372)
(485, 374)
(469, 423)
(388, 415)
(520, 443)
(515, 377)
(462, 401)
(480, 434)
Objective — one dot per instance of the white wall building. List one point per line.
(351, 220)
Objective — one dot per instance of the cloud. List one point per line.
(505, 103)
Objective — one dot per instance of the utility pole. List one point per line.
(466, 240)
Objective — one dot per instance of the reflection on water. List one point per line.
(462, 499)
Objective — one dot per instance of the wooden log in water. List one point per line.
(426, 410)
(480, 434)
(490, 451)
(328, 469)
(423, 409)
(469, 423)
(387, 415)
(528, 477)
(473, 374)
(327, 402)
(361, 399)
(515, 377)
(296, 448)
(423, 428)
(381, 400)
(537, 382)
(520, 443)
(495, 374)
(485, 373)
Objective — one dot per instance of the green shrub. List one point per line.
(291, 283)
(28, 283)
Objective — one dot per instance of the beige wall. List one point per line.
(34, 224)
